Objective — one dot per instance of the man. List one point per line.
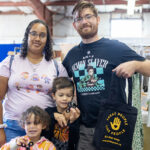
(106, 56)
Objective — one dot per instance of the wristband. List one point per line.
(3, 126)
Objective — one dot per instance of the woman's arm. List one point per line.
(3, 90)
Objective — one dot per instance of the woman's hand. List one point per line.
(2, 137)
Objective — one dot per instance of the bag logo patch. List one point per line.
(115, 126)
(116, 123)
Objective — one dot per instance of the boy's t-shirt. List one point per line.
(63, 138)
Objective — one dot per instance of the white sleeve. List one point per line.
(4, 67)
(62, 70)
(13, 144)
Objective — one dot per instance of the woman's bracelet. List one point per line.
(3, 126)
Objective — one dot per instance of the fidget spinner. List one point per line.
(71, 105)
(27, 146)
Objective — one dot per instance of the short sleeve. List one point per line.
(4, 67)
(66, 64)
(130, 55)
(62, 70)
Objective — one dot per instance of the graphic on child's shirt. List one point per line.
(24, 75)
(18, 87)
(35, 77)
(62, 134)
(39, 88)
(88, 73)
(46, 79)
(29, 88)
(34, 86)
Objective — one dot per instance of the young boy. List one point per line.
(64, 128)
(33, 120)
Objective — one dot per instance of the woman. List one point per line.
(29, 81)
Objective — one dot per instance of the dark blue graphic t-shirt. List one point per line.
(91, 66)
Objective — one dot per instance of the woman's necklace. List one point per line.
(34, 66)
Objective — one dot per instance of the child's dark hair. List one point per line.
(61, 83)
(40, 116)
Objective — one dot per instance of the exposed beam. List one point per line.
(141, 2)
(14, 4)
(42, 12)
(97, 2)
(146, 10)
(12, 13)
(120, 11)
(65, 3)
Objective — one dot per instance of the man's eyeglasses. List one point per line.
(35, 34)
(86, 17)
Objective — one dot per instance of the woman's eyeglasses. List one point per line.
(35, 34)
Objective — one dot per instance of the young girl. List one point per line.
(64, 128)
(33, 120)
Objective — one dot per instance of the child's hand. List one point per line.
(74, 114)
(22, 141)
(60, 119)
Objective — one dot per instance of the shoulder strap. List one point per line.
(10, 62)
(56, 66)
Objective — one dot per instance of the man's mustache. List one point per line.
(85, 26)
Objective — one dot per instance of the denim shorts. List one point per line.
(13, 129)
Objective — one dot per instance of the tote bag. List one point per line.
(116, 120)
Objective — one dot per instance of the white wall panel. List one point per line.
(12, 27)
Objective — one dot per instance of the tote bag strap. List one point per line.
(56, 66)
(130, 91)
(10, 62)
(117, 91)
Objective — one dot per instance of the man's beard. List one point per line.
(89, 34)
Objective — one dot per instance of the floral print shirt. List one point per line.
(42, 144)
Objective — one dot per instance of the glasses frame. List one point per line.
(87, 17)
(41, 35)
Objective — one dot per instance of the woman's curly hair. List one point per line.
(47, 51)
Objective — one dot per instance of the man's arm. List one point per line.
(127, 69)
(3, 90)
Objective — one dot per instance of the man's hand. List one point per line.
(126, 69)
(2, 137)
(60, 118)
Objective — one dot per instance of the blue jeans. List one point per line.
(13, 129)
